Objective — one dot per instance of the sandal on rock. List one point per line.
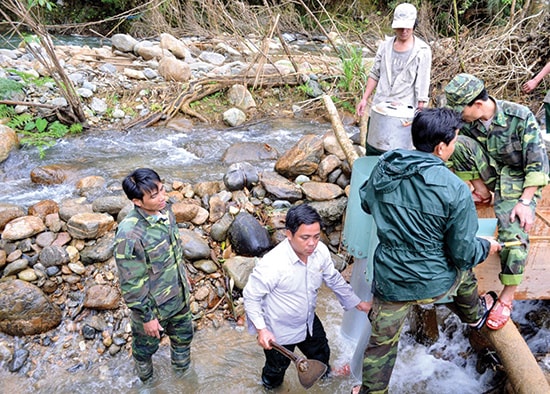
(480, 200)
(487, 309)
(499, 315)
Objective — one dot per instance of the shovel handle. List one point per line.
(284, 351)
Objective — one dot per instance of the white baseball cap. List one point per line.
(404, 16)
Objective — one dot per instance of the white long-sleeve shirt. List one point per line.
(281, 293)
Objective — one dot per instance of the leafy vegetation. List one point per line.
(9, 87)
(39, 132)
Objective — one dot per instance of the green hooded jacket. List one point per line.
(426, 224)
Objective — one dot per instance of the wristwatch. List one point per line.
(525, 201)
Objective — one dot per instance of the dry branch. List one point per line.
(202, 88)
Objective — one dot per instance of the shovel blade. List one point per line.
(310, 371)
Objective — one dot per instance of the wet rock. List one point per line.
(53, 174)
(239, 176)
(102, 297)
(8, 212)
(219, 230)
(25, 310)
(185, 211)
(280, 187)
(89, 183)
(43, 208)
(249, 152)
(89, 225)
(45, 239)
(328, 165)
(53, 222)
(99, 251)
(70, 207)
(321, 191)
(303, 158)
(19, 359)
(331, 211)
(28, 275)
(207, 266)
(239, 269)
(16, 267)
(109, 204)
(202, 189)
(53, 256)
(23, 227)
(88, 332)
(247, 236)
(217, 208)
(195, 247)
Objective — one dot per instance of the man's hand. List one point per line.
(364, 306)
(360, 110)
(525, 216)
(265, 337)
(153, 328)
(495, 246)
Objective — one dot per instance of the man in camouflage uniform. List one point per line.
(500, 150)
(426, 223)
(149, 257)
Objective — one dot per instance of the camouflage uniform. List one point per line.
(387, 319)
(508, 156)
(149, 256)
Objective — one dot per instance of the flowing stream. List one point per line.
(226, 359)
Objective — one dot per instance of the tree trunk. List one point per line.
(339, 131)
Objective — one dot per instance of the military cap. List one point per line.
(462, 90)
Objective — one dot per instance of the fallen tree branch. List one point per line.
(339, 131)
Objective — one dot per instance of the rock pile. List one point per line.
(59, 255)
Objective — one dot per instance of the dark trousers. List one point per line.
(314, 347)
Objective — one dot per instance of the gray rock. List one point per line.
(239, 269)
(234, 117)
(53, 256)
(195, 247)
(123, 42)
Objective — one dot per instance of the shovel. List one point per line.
(309, 371)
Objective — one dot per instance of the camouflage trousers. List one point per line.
(179, 329)
(470, 161)
(547, 117)
(387, 319)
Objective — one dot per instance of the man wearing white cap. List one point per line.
(401, 70)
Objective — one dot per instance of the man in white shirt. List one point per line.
(281, 295)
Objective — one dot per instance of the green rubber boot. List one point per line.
(144, 369)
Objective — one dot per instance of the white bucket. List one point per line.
(390, 127)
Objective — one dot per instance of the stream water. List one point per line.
(227, 359)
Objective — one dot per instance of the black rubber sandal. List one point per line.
(483, 319)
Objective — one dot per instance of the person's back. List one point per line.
(415, 200)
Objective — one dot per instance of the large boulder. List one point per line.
(8, 142)
(25, 309)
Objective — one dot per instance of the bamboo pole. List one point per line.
(524, 374)
(339, 131)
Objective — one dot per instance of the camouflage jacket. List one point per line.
(514, 140)
(149, 257)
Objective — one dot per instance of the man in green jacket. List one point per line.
(149, 257)
(426, 224)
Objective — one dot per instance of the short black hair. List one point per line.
(301, 214)
(483, 96)
(431, 126)
(139, 182)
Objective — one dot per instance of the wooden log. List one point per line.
(339, 131)
(521, 367)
